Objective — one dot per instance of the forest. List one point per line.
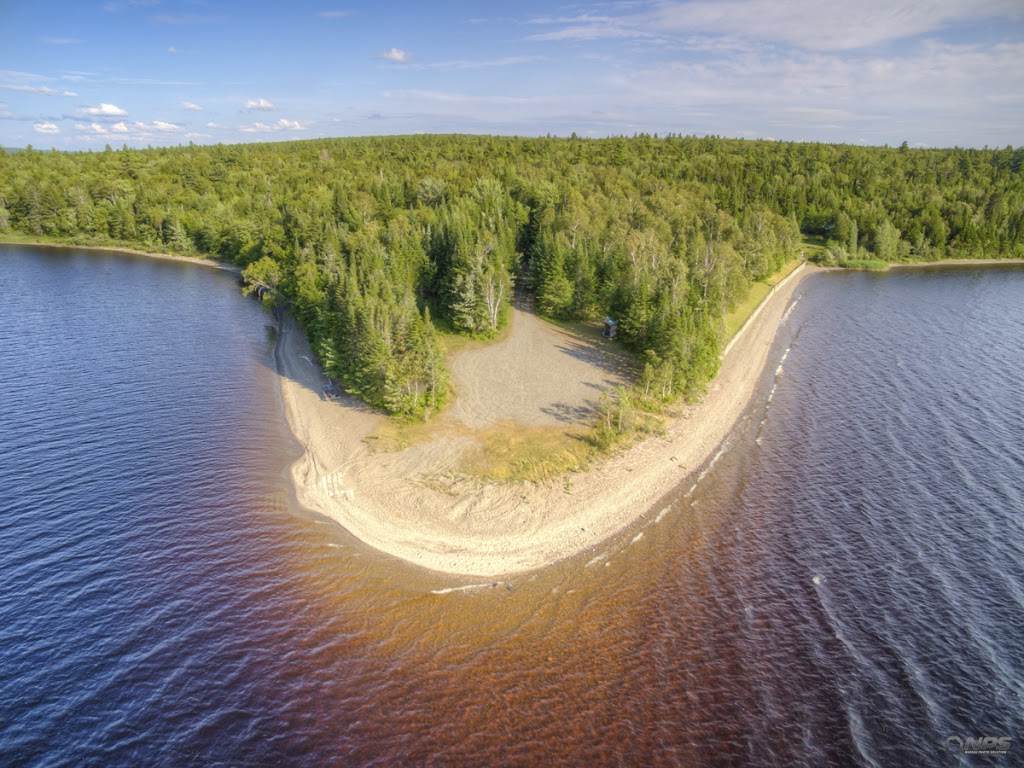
(378, 245)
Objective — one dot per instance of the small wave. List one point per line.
(595, 561)
(466, 588)
(637, 538)
(708, 468)
(789, 311)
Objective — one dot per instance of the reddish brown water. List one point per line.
(843, 587)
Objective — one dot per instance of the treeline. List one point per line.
(371, 241)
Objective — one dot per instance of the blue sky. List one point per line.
(85, 73)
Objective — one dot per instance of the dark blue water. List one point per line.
(845, 587)
(889, 487)
(135, 439)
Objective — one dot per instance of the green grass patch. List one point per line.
(395, 434)
(734, 320)
(453, 342)
(18, 237)
(813, 245)
(867, 265)
(83, 241)
(99, 241)
(758, 291)
(507, 451)
(511, 451)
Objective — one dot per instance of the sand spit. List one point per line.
(409, 504)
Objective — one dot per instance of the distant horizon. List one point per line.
(35, 147)
(945, 74)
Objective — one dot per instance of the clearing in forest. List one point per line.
(540, 374)
(525, 402)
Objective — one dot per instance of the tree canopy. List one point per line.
(370, 241)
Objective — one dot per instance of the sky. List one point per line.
(81, 74)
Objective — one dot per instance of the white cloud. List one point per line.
(334, 14)
(191, 107)
(936, 90)
(461, 98)
(281, 125)
(589, 27)
(13, 74)
(213, 125)
(396, 55)
(41, 90)
(45, 128)
(172, 49)
(506, 61)
(136, 131)
(61, 40)
(829, 26)
(259, 105)
(107, 110)
(807, 24)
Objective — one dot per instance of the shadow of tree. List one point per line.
(567, 413)
(617, 364)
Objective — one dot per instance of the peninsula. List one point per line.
(410, 504)
(445, 283)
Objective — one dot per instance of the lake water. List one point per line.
(845, 586)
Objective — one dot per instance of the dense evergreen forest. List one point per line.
(371, 241)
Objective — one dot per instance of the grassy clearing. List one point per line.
(812, 245)
(452, 342)
(758, 291)
(505, 452)
(867, 265)
(510, 451)
(395, 435)
(86, 241)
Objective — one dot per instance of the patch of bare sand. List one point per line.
(540, 374)
(412, 504)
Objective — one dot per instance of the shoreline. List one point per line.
(957, 263)
(213, 263)
(410, 504)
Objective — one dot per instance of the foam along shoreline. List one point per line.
(406, 505)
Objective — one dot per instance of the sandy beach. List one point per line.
(410, 503)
